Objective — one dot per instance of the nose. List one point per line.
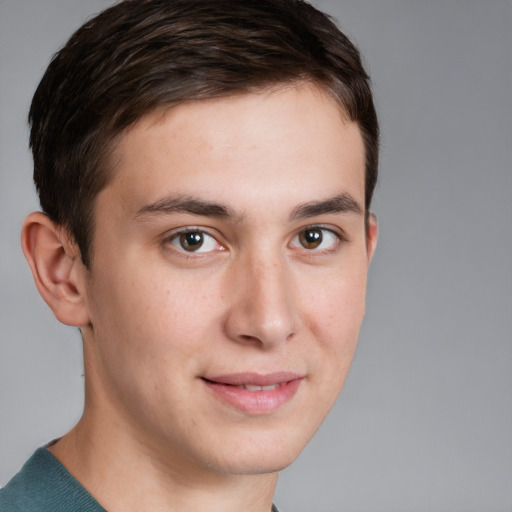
(263, 310)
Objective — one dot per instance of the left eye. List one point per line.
(316, 239)
(194, 241)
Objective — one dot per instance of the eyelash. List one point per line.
(192, 231)
(176, 236)
(339, 239)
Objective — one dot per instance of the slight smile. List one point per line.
(255, 394)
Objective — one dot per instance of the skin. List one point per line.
(157, 319)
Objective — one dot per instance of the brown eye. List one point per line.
(194, 241)
(318, 240)
(191, 241)
(310, 238)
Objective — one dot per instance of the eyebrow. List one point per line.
(342, 203)
(186, 204)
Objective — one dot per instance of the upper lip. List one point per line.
(254, 379)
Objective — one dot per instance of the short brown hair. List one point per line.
(139, 56)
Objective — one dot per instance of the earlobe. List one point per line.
(372, 235)
(58, 271)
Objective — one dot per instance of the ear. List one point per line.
(372, 234)
(57, 268)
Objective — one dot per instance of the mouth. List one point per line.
(253, 393)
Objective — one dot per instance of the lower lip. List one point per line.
(255, 402)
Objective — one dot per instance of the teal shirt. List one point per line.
(45, 485)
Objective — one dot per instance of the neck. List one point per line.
(127, 476)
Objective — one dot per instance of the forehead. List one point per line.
(253, 145)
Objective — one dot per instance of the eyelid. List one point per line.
(176, 233)
(337, 232)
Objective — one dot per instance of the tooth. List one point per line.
(251, 387)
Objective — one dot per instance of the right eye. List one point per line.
(194, 241)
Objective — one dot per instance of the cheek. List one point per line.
(147, 316)
(143, 339)
(337, 312)
(334, 321)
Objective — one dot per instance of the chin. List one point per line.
(256, 466)
(256, 457)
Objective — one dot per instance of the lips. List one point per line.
(252, 393)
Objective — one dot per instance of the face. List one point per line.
(228, 276)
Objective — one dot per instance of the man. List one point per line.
(206, 171)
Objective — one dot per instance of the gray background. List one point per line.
(425, 420)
